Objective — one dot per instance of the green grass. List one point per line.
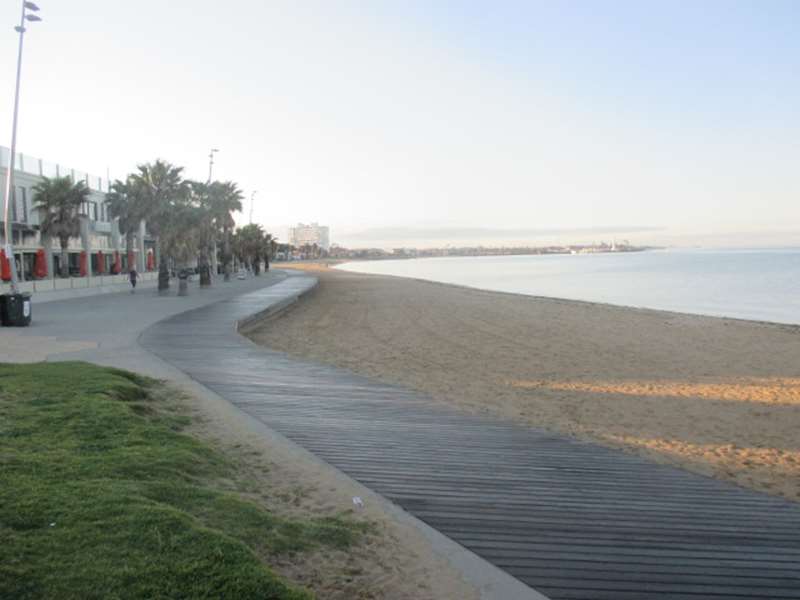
(102, 496)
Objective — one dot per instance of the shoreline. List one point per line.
(716, 395)
(336, 266)
(662, 281)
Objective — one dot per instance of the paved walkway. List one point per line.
(570, 519)
(104, 328)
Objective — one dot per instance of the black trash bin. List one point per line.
(15, 310)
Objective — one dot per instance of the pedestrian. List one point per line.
(133, 275)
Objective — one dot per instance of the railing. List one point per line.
(36, 166)
(101, 227)
(76, 283)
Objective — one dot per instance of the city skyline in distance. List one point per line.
(432, 236)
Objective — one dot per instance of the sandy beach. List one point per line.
(716, 396)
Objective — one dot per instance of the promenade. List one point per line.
(568, 519)
(104, 328)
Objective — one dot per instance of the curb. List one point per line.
(244, 326)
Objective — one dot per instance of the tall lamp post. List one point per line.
(214, 262)
(211, 162)
(26, 6)
(252, 195)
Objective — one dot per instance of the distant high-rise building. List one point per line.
(310, 234)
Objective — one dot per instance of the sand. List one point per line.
(716, 396)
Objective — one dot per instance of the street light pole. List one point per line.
(252, 195)
(214, 263)
(211, 162)
(9, 249)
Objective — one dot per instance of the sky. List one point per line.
(397, 122)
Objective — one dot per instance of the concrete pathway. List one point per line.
(570, 519)
(104, 328)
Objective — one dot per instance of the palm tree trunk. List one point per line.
(227, 250)
(129, 247)
(163, 275)
(47, 243)
(205, 275)
(163, 270)
(64, 266)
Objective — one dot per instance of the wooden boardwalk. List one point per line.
(570, 519)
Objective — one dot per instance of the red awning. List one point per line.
(5, 267)
(101, 263)
(82, 263)
(40, 266)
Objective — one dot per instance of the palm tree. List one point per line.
(181, 227)
(206, 227)
(59, 201)
(251, 245)
(237, 249)
(267, 249)
(225, 198)
(124, 204)
(160, 183)
(274, 248)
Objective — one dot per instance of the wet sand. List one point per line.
(716, 396)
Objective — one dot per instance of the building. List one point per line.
(100, 248)
(303, 235)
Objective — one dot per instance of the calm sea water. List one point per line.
(759, 284)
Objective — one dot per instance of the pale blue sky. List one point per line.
(679, 115)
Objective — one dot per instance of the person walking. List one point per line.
(133, 275)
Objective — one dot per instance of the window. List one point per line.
(21, 205)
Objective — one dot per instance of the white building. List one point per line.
(312, 234)
(100, 241)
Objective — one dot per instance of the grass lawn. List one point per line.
(102, 496)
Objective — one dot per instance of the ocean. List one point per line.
(757, 284)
